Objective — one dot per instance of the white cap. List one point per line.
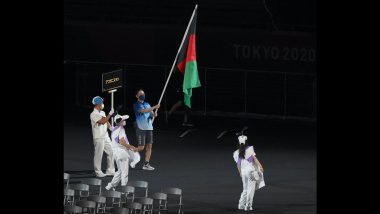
(242, 139)
(124, 117)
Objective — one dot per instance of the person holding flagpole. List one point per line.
(144, 126)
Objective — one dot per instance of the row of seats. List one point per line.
(80, 198)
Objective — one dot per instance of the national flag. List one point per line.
(187, 63)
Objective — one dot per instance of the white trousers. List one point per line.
(249, 186)
(103, 145)
(121, 173)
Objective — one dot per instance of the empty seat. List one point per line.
(140, 185)
(160, 200)
(89, 206)
(94, 182)
(147, 204)
(176, 192)
(66, 177)
(100, 202)
(129, 193)
(68, 196)
(112, 198)
(72, 209)
(81, 190)
(134, 207)
(119, 210)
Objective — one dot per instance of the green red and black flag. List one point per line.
(187, 62)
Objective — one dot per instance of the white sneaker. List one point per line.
(110, 173)
(133, 165)
(247, 208)
(109, 187)
(134, 162)
(147, 167)
(100, 174)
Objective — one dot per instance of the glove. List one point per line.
(111, 112)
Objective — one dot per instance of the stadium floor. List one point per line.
(204, 168)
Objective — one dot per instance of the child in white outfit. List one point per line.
(250, 171)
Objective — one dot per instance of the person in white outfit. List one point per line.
(102, 141)
(123, 153)
(251, 172)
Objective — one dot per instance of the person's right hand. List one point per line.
(157, 106)
(111, 112)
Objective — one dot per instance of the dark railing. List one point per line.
(225, 91)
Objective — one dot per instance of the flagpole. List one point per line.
(175, 59)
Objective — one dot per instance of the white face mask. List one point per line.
(102, 106)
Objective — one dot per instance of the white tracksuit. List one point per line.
(121, 155)
(102, 142)
(252, 178)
